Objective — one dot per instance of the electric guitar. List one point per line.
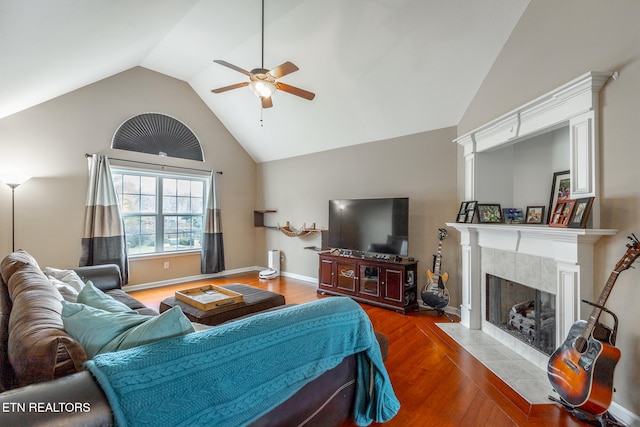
(581, 369)
(435, 294)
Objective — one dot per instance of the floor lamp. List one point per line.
(13, 181)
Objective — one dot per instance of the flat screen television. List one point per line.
(378, 226)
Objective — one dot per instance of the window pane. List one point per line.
(184, 205)
(130, 203)
(170, 233)
(131, 184)
(148, 226)
(148, 185)
(117, 182)
(184, 187)
(197, 188)
(196, 205)
(132, 225)
(140, 232)
(148, 204)
(169, 204)
(169, 187)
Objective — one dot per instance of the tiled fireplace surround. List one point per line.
(557, 261)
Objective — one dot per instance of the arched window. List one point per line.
(156, 133)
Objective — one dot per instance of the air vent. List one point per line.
(156, 133)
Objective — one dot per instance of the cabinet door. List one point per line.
(369, 281)
(326, 273)
(346, 276)
(393, 284)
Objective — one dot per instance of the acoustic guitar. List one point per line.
(581, 369)
(435, 293)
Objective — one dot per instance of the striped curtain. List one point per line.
(103, 238)
(212, 247)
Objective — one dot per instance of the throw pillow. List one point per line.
(171, 323)
(100, 331)
(68, 292)
(69, 277)
(94, 297)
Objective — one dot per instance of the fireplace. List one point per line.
(557, 262)
(526, 313)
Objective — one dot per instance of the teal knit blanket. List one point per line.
(232, 374)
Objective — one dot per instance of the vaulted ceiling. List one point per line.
(379, 68)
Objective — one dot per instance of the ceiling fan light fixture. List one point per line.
(262, 88)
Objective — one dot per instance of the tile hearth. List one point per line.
(525, 378)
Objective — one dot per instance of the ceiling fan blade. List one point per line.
(295, 91)
(226, 88)
(266, 102)
(233, 67)
(283, 70)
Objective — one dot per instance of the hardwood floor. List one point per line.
(437, 382)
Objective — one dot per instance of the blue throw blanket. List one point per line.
(234, 373)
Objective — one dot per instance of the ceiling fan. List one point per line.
(262, 82)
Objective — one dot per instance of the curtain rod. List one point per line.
(159, 164)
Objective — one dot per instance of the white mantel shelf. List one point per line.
(538, 240)
(554, 233)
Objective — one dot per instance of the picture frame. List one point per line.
(562, 213)
(462, 213)
(560, 190)
(466, 212)
(512, 216)
(535, 215)
(471, 210)
(489, 213)
(580, 213)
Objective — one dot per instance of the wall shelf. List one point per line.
(258, 218)
(290, 231)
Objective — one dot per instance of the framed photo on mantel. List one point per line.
(489, 213)
(535, 214)
(466, 212)
(560, 191)
(580, 213)
(562, 214)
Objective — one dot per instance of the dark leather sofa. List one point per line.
(48, 387)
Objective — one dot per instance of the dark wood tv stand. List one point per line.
(386, 283)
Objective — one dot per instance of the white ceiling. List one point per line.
(379, 68)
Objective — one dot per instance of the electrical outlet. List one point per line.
(166, 265)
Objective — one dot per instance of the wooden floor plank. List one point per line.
(436, 380)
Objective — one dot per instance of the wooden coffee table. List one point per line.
(254, 300)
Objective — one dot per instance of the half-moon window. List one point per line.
(156, 133)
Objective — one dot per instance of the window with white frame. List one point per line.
(162, 212)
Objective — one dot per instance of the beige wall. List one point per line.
(553, 43)
(420, 166)
(49, 141)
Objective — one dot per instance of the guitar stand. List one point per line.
(439, 311)
(602, 420)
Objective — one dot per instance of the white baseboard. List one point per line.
(150, 285)
(308, 280)
(623, 415)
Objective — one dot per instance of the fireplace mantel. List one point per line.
(560, 244)
(559, 260)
